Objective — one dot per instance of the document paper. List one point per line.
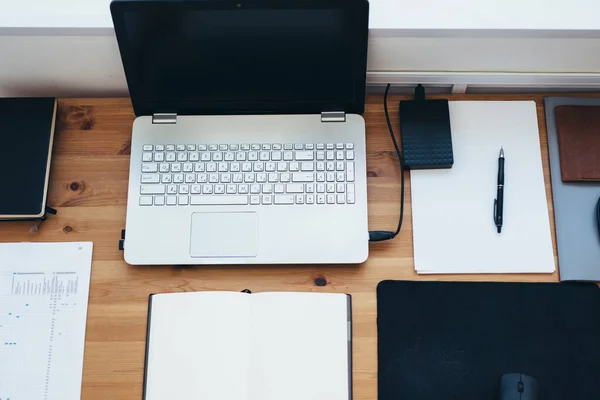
(452, 209)
(44, 291)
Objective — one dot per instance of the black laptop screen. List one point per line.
(211, 60)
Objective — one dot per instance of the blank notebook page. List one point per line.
(267, 346)
(452, 209)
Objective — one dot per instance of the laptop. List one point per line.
(249, 144)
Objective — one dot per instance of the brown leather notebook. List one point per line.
(578, 129)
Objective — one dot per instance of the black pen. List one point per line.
(499, 201)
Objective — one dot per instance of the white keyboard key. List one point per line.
(170, 147)
(261, 177)
(213, 147)
(294, 166)
(184, 189)
(320, 146)
(229, 156)
(299, 199)
(298, 146)
(213, 178)
(294, 188)
(222, 147)
(350, 155)
(288, 146)
(279, 188)
(350, 198)
(277, 146)
(159, 157)
(245, 147)
(320, 155)
(306, 155)
(180, 147)
(330, 166)
(205, 156)
(309, 146)
(240, 156)
(288, 156)
(320, 166)
(320, 199)
(264, 156)
(159, 200)
(270, 166)
(183, 200)
(339, 165)
(146, 157)
(147, 147)
(339, 146)
(171, 189)
(178, 178)
(330, 155)
(349, 146)
(207, 189)
(320, 188)
(249, 177)
(171, 200)
(188, 167)
(339, 155)
(303, 177)
(340, 188)
(218, 200)
(266, 146)
(190, 178)
(234, 147)
(199, 167)
(211, 167)
(223, 166)
(254, 200)
(267, 188)
(282, 166)
(176, 167)
(276, 156)
(267, 199)
(196, 189)
(320, 177)
(238, 178)
(145, 200)
(350, 171)
(253, 156)
(202, 147)
(182, 157)
(150, 178)
(234, 167)
(340, 177)
(307, 166)
(170, 157)
(150, 167)
(191, 147)
(243, 188)
(310, 188)
(310, 199)
(225, 178)
(246, 167)
(331, 188)
(164, 167)
(194, 157)
(255, 188)
(285, 177)
(159, 147)
(255, 146)
(283, 199)
(330, 146)
(259, 167)
(330, 177)
(201, 178)
(331, 199)
(350, 188)
(273, 177)
(219, 189)
(218, 156)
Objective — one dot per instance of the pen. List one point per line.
(499, 201)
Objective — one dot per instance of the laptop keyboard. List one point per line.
(247, 174)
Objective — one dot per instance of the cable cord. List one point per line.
(379, 236)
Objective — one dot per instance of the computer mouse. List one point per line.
(518, 387)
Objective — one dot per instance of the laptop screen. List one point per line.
(181, 58)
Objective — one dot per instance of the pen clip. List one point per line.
(495, 211)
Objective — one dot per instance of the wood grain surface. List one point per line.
(88, 187)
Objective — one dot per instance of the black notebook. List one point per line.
(260, 346)
(26, 135)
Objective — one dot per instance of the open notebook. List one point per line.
(261, 346)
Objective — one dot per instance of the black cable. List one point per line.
(378, 236)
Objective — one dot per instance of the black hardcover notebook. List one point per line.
(26, 136)
(260, 346)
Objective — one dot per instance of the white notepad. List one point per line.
(452, 209)
(262, 346)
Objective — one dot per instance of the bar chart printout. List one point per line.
(44, 289)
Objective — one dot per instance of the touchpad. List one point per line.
(224, 234)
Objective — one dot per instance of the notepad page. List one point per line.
(198, 346)
(300, 346)
(452, 209)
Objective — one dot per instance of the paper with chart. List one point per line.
(452, 209)
(44, 291)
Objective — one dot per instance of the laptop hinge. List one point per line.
(333, 116)
(164, 118)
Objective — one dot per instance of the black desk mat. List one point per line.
(454, 340)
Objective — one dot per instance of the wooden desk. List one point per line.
(88, 187)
